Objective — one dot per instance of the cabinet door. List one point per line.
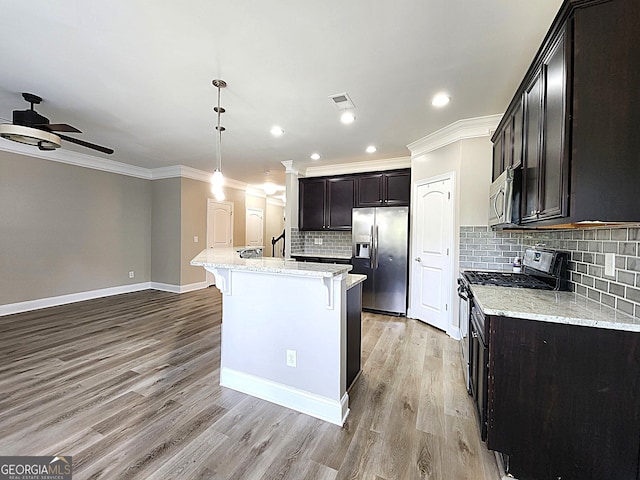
(370, 190)
(532, 139)
(397, 188)
(553, 176)
(564, 399)
(498, 163)
(518, 129)
(507, 145)
(340, 201)
(311, 205)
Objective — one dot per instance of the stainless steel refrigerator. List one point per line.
(380, 238)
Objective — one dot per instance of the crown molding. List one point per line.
(288, 167)
(275, 201)
(78, 159)
(255, 192)
(95, 163)
(359, 167)
(175, 171)
(460, 130)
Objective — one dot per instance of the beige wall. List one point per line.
(193, 222)
(67, 229)
(165, 231)
(238, 198)
(274, 226)
(475, 178)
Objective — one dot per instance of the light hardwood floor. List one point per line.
(128, 385)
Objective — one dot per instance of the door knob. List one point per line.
(418, 259)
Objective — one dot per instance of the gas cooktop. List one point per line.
(505, 279)
(542, 268)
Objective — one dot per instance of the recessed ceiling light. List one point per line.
(440, 100)
(315, 156)
(347, 118)
(277, 131)
(371, 149)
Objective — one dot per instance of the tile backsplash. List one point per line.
(333, 243)
(483, 248)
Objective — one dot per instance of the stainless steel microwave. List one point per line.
(504, 199)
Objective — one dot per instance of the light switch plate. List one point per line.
(195, 239)
(291, 358)
(610, 264)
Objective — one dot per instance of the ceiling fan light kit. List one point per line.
(31, 128)
(30, 136)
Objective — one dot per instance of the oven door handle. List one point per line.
(463, 292)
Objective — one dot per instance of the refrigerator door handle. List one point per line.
(372, 251)
(376, 247)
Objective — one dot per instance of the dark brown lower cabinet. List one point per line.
(564, 400)
(354, 333)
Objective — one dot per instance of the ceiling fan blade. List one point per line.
(106, 150)
(58, 127)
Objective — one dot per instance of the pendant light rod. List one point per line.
(219, 84)
(218, 179)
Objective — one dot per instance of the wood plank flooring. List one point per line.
(128, 385)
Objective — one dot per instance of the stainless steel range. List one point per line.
(542, 269)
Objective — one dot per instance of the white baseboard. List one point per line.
(70, 298)
(324, 408)
(168, 287)
(40, 303)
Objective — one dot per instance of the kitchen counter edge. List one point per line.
(228, 258)
(551, 306)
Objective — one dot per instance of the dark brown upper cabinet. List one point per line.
(384, 189)
(545, 178)
(312, 203)
(507, 147)
(326, 203)
(572, 123)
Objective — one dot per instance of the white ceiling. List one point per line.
(135, 75)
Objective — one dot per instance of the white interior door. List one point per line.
(219, 228)
(255, 227)
(432, 252)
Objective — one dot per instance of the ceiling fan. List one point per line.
(31, 128)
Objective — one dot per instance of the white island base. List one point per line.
(283, 332)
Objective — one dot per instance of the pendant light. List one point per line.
(217, 179)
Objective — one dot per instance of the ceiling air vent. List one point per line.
(342, 101)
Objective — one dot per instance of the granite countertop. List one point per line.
(229, 258)
(341, 256)
(551, 306)
(354, 279)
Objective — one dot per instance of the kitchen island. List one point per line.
(284, 330)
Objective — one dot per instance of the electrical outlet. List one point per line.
(131, 274)
(317, 241)
(291, 358)
(609, 264)
(195, 239)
